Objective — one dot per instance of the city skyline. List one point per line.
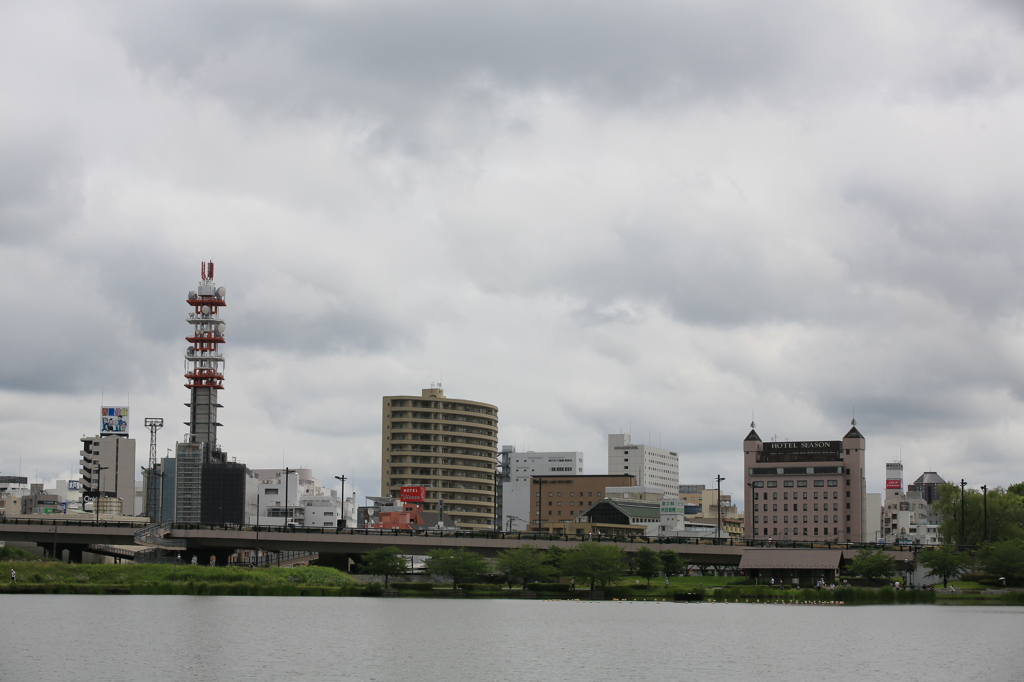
(656, 219)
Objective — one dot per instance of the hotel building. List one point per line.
(805, 490)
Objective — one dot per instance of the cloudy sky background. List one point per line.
(599, 216)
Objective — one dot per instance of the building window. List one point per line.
(819, 484)
(773, 484)
(815, 494)
(801, 484)
(833, 483)
(815, 531)
(775, 519)
(785, 496)
(755, 496)
(787, 484)
(847, 520)
(805, 529)
(775, 507)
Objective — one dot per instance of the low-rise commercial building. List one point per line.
(561, 499)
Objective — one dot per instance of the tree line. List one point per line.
(589, 563)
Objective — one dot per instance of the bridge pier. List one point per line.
(344, 562)
(75, 553)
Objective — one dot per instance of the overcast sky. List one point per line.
(661, 217)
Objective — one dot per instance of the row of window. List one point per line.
(796, 519)
(796, 495)
(796, 531)
(802, 483)
(572, 494)
(571, 503)
(785, 507)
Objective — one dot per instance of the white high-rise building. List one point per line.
(521, 466)
(654, 467)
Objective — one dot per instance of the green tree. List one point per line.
(1003, 559)
(460, 564)
(671, 564)
(385, 561)
(872, 564)
(597, 563)
(553, 557)
(647, 563)
(943, 562)
(524, 563)
(1005, 514)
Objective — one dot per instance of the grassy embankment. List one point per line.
(50, 577)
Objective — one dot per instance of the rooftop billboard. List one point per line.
(114, 420)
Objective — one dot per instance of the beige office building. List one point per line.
(449, 446)
(805, 490)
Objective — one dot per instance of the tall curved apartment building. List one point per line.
(450, 446)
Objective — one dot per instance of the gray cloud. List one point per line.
(591, 215)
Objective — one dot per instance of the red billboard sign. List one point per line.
(414, 493)
(894, 484)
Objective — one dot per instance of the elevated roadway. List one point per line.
(206, 540)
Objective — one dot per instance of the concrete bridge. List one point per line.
(336, 546)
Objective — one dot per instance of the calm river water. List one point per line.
(70, 637)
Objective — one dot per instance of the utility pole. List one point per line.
(287, 513)
(718, 502)
(963, 517)
(342, 479)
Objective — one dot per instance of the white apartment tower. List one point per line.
(653, 467)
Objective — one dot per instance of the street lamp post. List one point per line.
(342, 479)
(718, 502)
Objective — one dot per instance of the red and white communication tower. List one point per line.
(204, 361)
